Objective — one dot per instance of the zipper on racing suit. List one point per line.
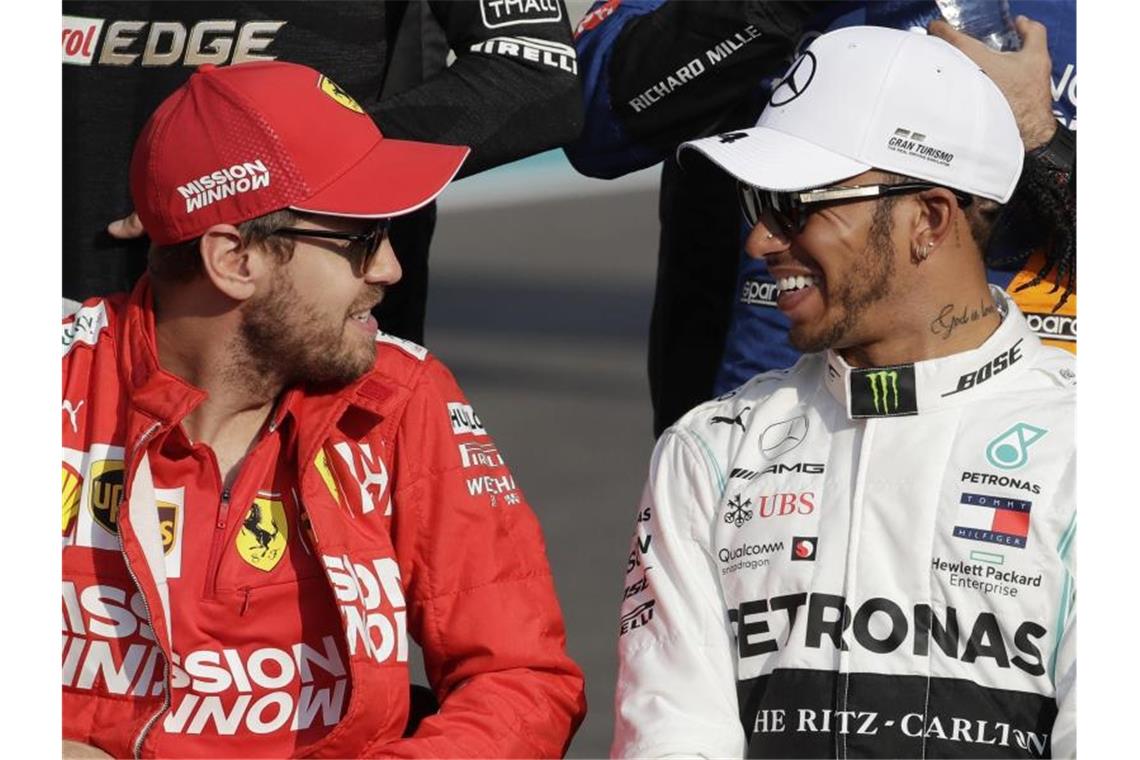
(220, 523)
(136, 747)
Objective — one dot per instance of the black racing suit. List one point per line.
(512, 91)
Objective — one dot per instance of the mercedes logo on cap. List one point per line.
(794, 83)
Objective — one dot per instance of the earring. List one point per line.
(923, 251)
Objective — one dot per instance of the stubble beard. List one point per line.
(868, 283)
(286, 338)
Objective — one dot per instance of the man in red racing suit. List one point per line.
(252, 528)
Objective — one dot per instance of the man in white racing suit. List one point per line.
(872, 553)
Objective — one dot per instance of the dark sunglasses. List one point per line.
(791, 209)
(361, 248)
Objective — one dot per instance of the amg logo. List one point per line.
(804, 467)
(233, 180)
(995, 366)
(743, 474)
(166, 43)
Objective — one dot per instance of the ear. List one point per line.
(234, 268)
(933, 223)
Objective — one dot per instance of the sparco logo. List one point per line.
(995, 366)
(881, 626)
(758, 293)
(232, 180)
(794, 83)
(166, 43)
(1053, 326)
(884, 390)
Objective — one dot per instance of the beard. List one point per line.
(287, 339)
(867, 283)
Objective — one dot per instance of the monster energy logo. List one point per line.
(883, 384)
(883, 391)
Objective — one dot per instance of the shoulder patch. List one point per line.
(412, 349)
(497, 13)
(85, 326)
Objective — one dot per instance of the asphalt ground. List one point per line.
(541, 310)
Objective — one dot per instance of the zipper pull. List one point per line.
(221, 522)
(245, 600)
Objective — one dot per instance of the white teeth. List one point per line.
(788, 284)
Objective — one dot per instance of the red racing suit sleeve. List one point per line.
(481, 598)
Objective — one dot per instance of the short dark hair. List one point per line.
(182, 262)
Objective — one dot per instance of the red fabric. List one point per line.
(409, 531)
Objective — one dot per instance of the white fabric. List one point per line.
(876, 502)
(864, 97)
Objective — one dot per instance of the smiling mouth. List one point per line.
(794, 283)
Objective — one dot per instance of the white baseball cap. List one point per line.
(868, 97)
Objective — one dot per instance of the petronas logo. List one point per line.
(884, 390)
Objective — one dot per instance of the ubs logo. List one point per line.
(796, 81)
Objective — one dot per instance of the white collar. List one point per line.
(907, 389)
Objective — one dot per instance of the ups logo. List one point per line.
(167, 524)
(106, 493)
(264, 533)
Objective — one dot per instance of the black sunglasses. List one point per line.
(362, 246)
(791, 209)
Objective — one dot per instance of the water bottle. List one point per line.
(985, 20)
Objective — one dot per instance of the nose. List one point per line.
(765, 238)
(384, 268)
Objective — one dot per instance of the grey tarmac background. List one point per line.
(539, 301)
(540, 307)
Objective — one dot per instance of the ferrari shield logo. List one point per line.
(332, 89)
(264, 532)
(72, 488)
(327, 476)
(106, 493)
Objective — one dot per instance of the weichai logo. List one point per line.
(106, 493)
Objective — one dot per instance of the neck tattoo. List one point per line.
(951, 317)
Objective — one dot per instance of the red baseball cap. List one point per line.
(240, 141)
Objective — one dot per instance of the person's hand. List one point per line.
(127, 228)
(77, 750)
(1021, 75)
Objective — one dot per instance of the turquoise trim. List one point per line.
(1065, 604)
(711, 463)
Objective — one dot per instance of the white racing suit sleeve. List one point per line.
(676, 687)
(1064, 741)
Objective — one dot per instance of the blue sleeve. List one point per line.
(604, 149)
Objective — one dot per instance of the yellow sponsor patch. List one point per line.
(323, 467)
(106, 493)
(72, 489)
(264, 533)
(333, 90)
